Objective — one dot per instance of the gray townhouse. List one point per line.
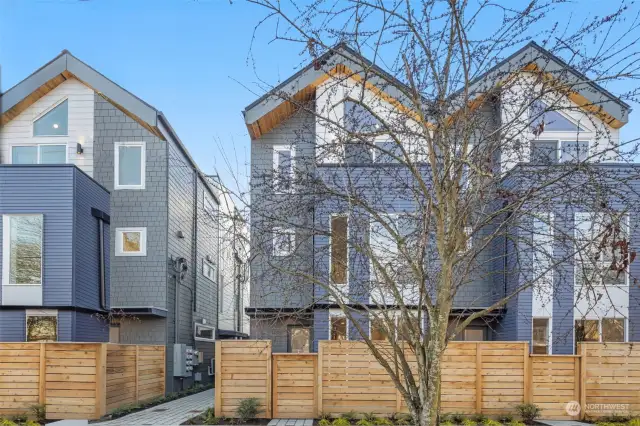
(298, 235)
(163, 211)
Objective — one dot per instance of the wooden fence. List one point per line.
(477, 377)
(73, 380)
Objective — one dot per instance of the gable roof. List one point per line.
(66, 66)
(274, 107)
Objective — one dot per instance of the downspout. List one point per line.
(102, 218)
(194, 238)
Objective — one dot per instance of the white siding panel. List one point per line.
(81, 119)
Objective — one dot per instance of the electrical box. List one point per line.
(183, 360)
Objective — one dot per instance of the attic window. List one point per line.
(357, 119)
(54, 122)
(544, 119)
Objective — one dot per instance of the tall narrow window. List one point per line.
(283, 168)
(54, 122)
(25, 249)
(338, 327)
(339, 249)
(541, 336)
(129, 165)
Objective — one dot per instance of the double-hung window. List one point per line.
(283, 168)
(22, 259)
(601, 242)
(129, 165)
(39, 154)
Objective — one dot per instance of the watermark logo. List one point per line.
(572, 408)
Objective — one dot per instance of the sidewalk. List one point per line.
(170, 413)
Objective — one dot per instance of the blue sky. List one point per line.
(187, 58)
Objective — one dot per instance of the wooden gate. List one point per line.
(294, 386)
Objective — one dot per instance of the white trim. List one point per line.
(282, 230)
(143, 241)
(40, 313)
(116, 162)
(212, 267)
(205, 326)
(330, 247)
(38, 146)
(45, 112)
(559, 138)
(276, 150)
(19, 294)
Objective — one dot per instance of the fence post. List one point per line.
(137, 374)
(319, 377)
(218, 378)
(42, 380)
(576, 382)
(583, 380)
(269, 401)
(528, 374)
(101, 380)
(478, 378)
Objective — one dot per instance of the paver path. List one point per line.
(170, 413)
(291, 422)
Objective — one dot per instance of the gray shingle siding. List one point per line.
(135, 281)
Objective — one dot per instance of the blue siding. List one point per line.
(90, 328)
(66, 325)
(46, 190)
(86, 242)
(320, 326)
(12, 326)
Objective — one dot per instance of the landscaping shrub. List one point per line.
(6, 422)
(20, 418)
(371, 417)
(505, 419)
(364, 422)
(341, 421)
(490, 422)
(528, 412)
(349, 415)
(516, 423)
(634, 422)
(457, 418)
(324, 422)
(209, 417)
(403, 419)
(40, 412)
(248, 408)
(468, 422)
(382, 421)
(479, 418)
(446, 423)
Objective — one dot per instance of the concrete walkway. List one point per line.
(291, 422)
(170, 413)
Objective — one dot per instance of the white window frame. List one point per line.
(45, 112)
(396, 314)
(346, 284)
(282, 230)
(549, 332)
(197, 325)
(41, 313)
(143, 241)
(276, 150)
(559, 138)
(340, 314)
(19, 294)
(577, 261)
(212, 267)
(39, 145)
(116, 162)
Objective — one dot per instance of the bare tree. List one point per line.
(423, 195)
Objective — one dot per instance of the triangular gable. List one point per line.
(63, 67)
(266, 113)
